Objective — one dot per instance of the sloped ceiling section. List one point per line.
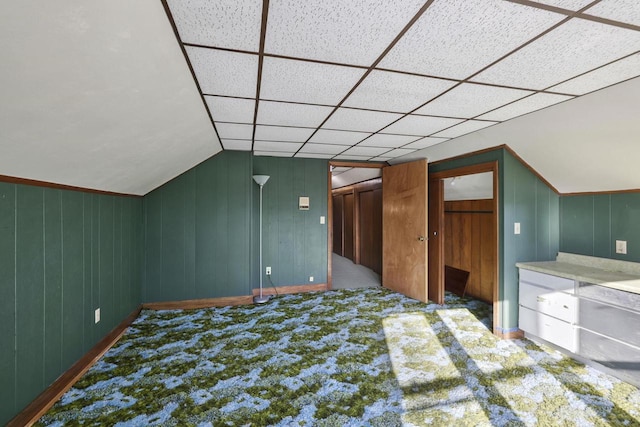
(97, 95)
(394, 80)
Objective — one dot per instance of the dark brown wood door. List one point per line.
(404, 229)
(337, 225)
(371, 229)
(348, 226)
(436, 241)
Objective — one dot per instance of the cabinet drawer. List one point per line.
(547, 280)
(612, 321)
(624, 358)
(549, 328)
(609, 295)
(557, 304)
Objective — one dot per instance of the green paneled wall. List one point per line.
(522, 198)
(202, 227)
(294, 241)
(62, 255)
(590, 225)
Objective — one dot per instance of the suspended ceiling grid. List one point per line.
(377, 80)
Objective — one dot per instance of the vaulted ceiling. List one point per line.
(123, 96)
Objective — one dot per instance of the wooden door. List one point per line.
(436, 241)
(348, 226)
(371, 229)
(404, 229)
(337, 225)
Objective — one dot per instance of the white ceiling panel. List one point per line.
(359, 120)
(425, 142)
(398, 152)
(420, 125)
(389, 141)
(308, 82)
(236, 144)
(234, 131)
(231, 109)
(566, 4)
(286, 114)
(326, 136)
(272, 154)
(224, 73)
(524, 106)
(618, 10)
(291, 147)
(478, 31)
(354, 32)
(573, 48)
(339, 169)
(464, 128)
(388, 91)
(380, 159)
(323, 148)
(314, 155)
(602, 77)
(351, 157)
(280, 133)
(469, 100)
(366, 151)
(232, 24)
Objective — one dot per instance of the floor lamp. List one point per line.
(261, 180)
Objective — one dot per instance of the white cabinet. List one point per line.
(549, 308)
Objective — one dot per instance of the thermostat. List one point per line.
(303, 203)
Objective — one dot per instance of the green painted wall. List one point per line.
(294, 241)
(522, 198)
(62, 255)
(202, 228)
(590, 225)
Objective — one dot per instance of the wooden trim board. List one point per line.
(511, 335)
(45, 184)
(199, 303)
(47, 398)
(295, 289)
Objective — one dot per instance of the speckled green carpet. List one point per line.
(350, 357)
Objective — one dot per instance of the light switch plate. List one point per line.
(97, 315)
(516, 228)
(322, 220)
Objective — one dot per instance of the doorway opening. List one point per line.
(354, 225)
(464, 212)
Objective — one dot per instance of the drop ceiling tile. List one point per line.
(236, 144)
(627, 11)
(338, 170)
(420, 125)
(398, 152)
(386, 140)
(231, 109)
(287, 114)
(314, 155)
(366, 151)
(291, 147)
(380, 159)
(233, 24)
(326, 136)
(224, 73)
(388, 91)
(272, 154)
(351, 157)
(323, 148)
(280, 133)
(469, 100)
(359, 120)
(566, 4)
(234, 131)
(456, 38)
(524, 106)
(354, 32)
(425, 142)
(464, 128)
(308, 82)
(573, 48)
(602, 77)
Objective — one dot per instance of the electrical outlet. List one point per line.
(97, 315)
(268, 271)
(322, 220)
(621, 246)
(311, 278)
(516, 228)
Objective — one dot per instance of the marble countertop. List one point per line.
(622, 275)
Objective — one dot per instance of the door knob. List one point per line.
(421, 238)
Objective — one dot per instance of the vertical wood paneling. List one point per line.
(338, 221)
(30, 294)
(284, 214)
(87, 245)
(603, 243)
(237, 230)
(153, 245)
(7, 300)
(206, 194)
(173, 241)
(52, 285)
(190, 233)
(118, 285)
(105, 251)
(348, 225)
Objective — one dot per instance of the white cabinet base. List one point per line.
(549, 328)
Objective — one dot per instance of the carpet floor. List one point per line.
(339, 358)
